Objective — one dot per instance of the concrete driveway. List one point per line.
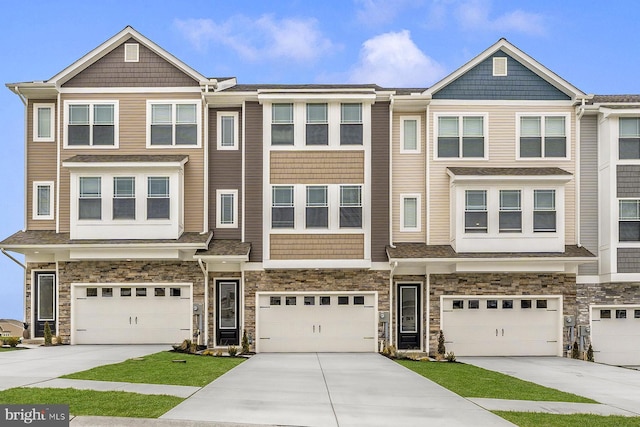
(23, 367)
(329, 389)
(612, 385)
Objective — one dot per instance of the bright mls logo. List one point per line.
(34, 415)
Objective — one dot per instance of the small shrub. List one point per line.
(48, 337)
(218, 353)
(187, 347)
(390, 351)
(590, 354)
(58, 340)
(10, 341)
(441, 347)
(208, 352)
(575, 352)
(402, 355)
(245, 343)
(232, 350)
(450, 357)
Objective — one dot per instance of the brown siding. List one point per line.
(379, 181)
(253, 179)
(317, 246)
(41, 166)
(111, 71)
(225, 173)
(317, 167)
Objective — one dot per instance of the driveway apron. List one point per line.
(329, 389)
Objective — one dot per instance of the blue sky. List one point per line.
(414, 43)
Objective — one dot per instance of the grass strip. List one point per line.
(472, 381)
(159, 368)
(89, 402)
(535, 419)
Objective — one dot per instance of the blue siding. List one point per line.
(520, 84)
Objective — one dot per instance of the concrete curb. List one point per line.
(171, 390)
(549, 407)
(90, 421)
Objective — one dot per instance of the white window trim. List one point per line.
(567, 131)
(418, 120)
(485, 132)
(36, 120)
(219, 116)
(173, 103)
(127, 49)
(91, 103)
(219, 194)
(418, 198)
(34, 205)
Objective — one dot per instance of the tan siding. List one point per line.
(502, 153)
(132, 141)
(317, 167)
(409, 175)
(317, 246)
(253, 179)
(379, 181)
(41, 166)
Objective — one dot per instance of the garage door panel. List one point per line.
(616, 339)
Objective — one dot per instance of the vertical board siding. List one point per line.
(589, 190)
(225, 173)
(409, 175)
(253, 179)
(379, 181)
(502, 146)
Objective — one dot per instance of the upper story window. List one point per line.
(227, 208)
(173, 123)
(350, 206)
(90, 199)
(629, 221)
(43, 122)
(124, 197)
(461, 137)
(510, 220)
(317, 207)
(227, 130)
(158, 197)
(629, 137)
(351, 124)
(282, 124)
(91, 124)
(410, 212)
(42, 200)
(282, 208)
(543, 136)
(475, 211)
(317, 128)
(544, 211)
(410, 134)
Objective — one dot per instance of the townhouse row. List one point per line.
(500, 205)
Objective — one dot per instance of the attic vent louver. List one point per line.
(131, 52)
(500, 66)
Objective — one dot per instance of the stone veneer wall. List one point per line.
(605, 293)
(313, 281)
(213, 276)
(123, 272)
(49, 266)
(498, 284)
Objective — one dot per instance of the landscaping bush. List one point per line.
(245, 343)
(10, 341)
(441, 347)
(575, 351)
(590, 354)
(390, 351)
(187, 347)
(48, 337)
(232, 350)
(451, 357)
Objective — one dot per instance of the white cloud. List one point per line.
(376, 12)
(393, 59)
(259, 39)
(475, 15)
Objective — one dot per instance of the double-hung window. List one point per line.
(90, 200)
(629, 221)
(410, 212)
(629, 138)
(461, 137)
(173, 124)
(350, 206)
(543, 136)
(510, 217)
(351, 124)
(158, 197)
(317, 130)
(227, 130)
(282, 124)
(43, 123)
(282, 207)
(124, 197)
(475, 211)
(410, 134)
(42, 200)
(544, 210)
(91, 124)
(227, 208)
(317, 209)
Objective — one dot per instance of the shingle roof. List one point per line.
(302, 87)
(224, 247)
(604, 99)
(508, 171)
(422, 251)
(34, 238)
(139, 158)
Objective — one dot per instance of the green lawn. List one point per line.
(89, 402)
(159, 368)
(534, 419)
(471, 381)
(12, 348)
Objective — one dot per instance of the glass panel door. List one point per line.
(408, 309)
(44, 303)
(409, 315)
(227, 301)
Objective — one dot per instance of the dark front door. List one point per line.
(227, 309)
(44, 303)
(408, 316)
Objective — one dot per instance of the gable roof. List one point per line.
(524, 59)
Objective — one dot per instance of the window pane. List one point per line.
(448, 147)
(555, 147)
(448, 126)
(124, 208)
(282, 134)
(90, 208)
(124, 187)
(510, 200)
(227, 131)
(124, 202)
(629, 210)
(317, 134)
(510, 222)
(410, 129)
(186, 134)
(350, 195)
(472, 147)
(161, 135)
(46, 297)
(283, 196)
(317, 195)
(410, 212)
(531, 147)
(282, 217)
(351, 113)
(79, 114)
(158, 208)
(350, 217)
(317, 217)
(629, 127)
(44, 122)
(186, 113)
(226, 208)
(554, 126)
(90, 187)
(350, 134)
(629, 231)
(544, 221)
(158, 186)
(476, 200)
(44, 200)
(544, 199)
(472, 126)
(530, 127)
(629, 148)
(103, 135)
(475, 222)
(103, 114)
(316, 113)
(78, 135)
(282, 113)
(161, 114)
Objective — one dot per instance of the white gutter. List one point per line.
(59, 160)
(12, 258)
(391, 172)
(577, 181)
(205, 142)
(26, 130)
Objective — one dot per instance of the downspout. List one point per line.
(391, 172)
(26, 130)
(581, 111)
(58, 143)
(206, 302)
(394, 264)
(205, 198)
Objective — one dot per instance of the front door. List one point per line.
(227, 309)
(44, 303)
(408, 316)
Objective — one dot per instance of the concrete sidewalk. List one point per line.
(171, 390)
(549, 407)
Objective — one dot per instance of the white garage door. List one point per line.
(615, 334)
(304, 322)
(502, 325)
(131, 314)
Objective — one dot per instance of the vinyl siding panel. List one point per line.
(225, 173)
(589, 190)
(627, 179)
(253, 179)
(132, 141)
(317, 246)
(379, 181)
(502, 146)
(628, 260)
(409, 176)
(317, 167)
